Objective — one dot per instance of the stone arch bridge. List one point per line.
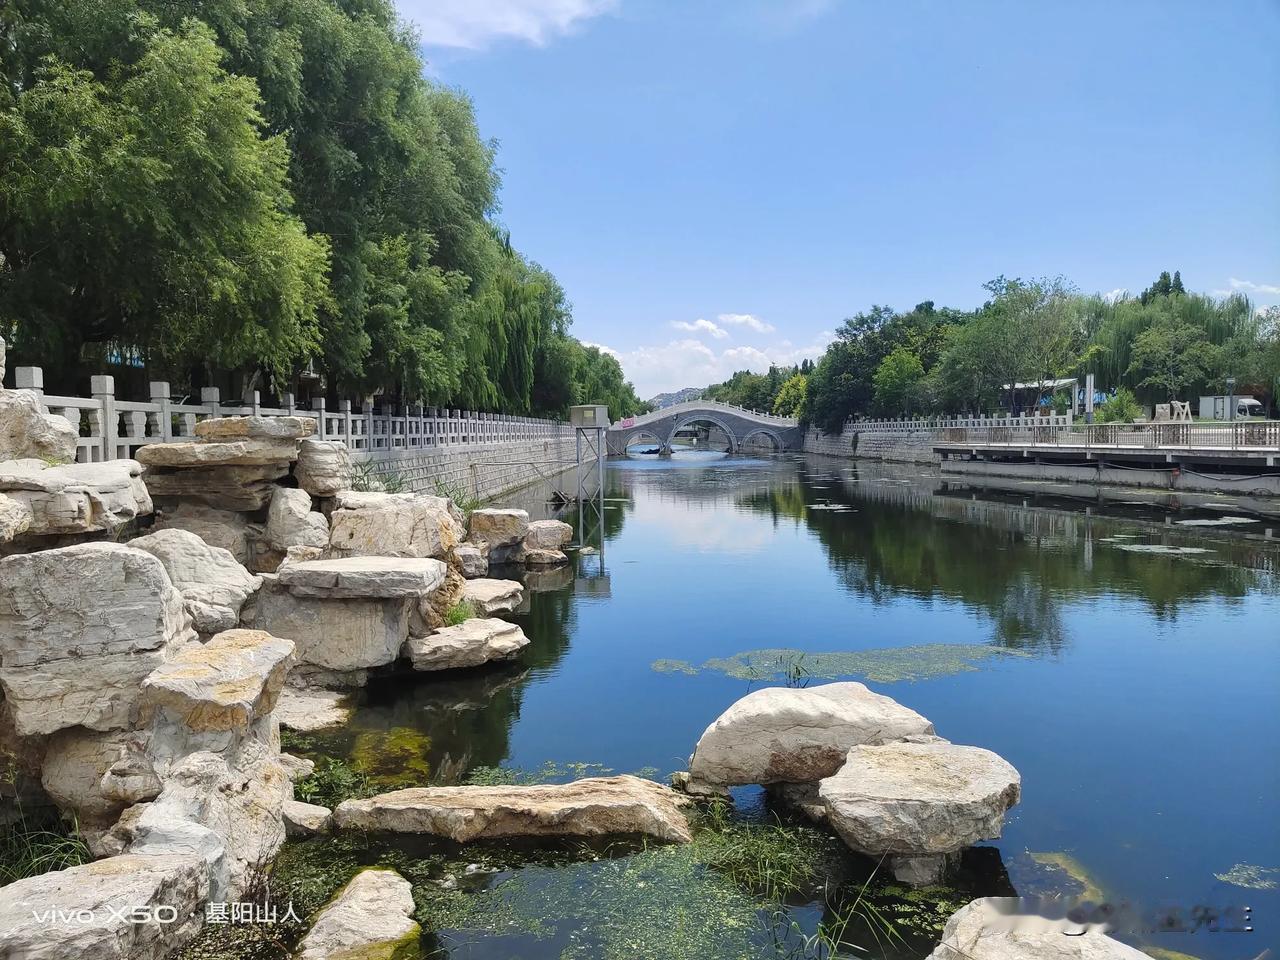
(742, 427)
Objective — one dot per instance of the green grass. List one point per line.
(333, 781)
(458, 613)
(30, 847)
(461, 497)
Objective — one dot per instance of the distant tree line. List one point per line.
(265, 188)
(1164, 344)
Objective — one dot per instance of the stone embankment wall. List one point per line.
(479, 471)
(855, 441)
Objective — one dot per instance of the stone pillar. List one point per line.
(103, 389)
(211, 397)
(162, 396)
(28, 378)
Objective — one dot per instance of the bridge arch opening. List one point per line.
(761, 442)
(642, 444)
(700, 435)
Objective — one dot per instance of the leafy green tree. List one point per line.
(791, 400)
(148, 207)
(1122, 407)
(1172, 355)
(897, 382)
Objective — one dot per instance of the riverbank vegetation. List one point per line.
(272, 189)
(1165, 343)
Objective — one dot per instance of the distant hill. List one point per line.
(680, 396)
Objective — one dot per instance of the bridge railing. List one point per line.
(112, 429)
(690, 406)
(916, 424)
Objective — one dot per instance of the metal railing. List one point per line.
(113, 429)
(1242, 435)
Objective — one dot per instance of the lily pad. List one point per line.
(1251, 877)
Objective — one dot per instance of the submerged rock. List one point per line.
(919, 803)
(80, 627)
(369, 919)
(86, 911)
(985, 930)
(545, 558)
(214, 585)
(594, 807)
(469, 644)
(788, 735)
(488, 597)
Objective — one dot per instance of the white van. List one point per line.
(1218, 408)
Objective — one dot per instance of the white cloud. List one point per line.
(1111, 296)
(692, 363)
(745, 320)
(474, 24)
(701, 326)
(1248, 286)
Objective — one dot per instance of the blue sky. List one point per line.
(717, 185)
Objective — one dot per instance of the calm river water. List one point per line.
(1126, 661)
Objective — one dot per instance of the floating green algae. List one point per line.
(395, 757)
(882, 665)
(1081, 883)
(1251, 877)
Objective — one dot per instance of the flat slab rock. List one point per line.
(788, 735)
(305, 819)
(919, 798)
(978, 931)
(218, 453)
(594, 807)
(307, 710)
(469, 644)
(223, 684)
(46, 499)
(257, 428)
(361, 577)
(488, 596)
(369, 919)
(108, 890)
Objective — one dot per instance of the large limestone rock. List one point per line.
(74, 764)
(488, 597)
(594, 807)
(494, 527)
(545, 558)
(369, 919)
(363, 577)
(393, 525)
(470, 561)
(217, 453)
(993, 929)
(80, 627)
(238, 486)
(255, 428)
(44, 499)
(26, 431)
(338, 641)
(548, 535)
(469, 644)
(780, 734)
(218, 528)
(224, 684)
(214, 585)
(919, 802)
(305, 819)
(223, 810)
(292, 523)
(324, 467)
(85, 912)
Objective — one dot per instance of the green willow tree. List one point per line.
(261, 187)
